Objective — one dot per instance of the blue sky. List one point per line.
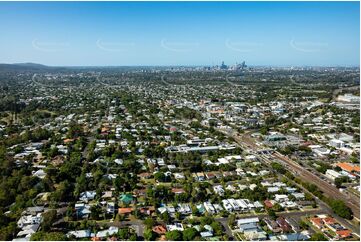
(180, 33)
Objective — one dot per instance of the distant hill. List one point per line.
(31, 65)
(25, 67)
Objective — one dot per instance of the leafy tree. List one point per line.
(149, 223)
(63, 192)
(206, 220)
(303, 225)
(149, 235)
(75, 130)
(166, 217)
(278, 167)
(338, 182)
(8, 232)
(174, 235)
(340, 208)
(123, 233)
(160, 176)
(217, 227)
(133, 237)
(323, 167)
(49, 217)
(189, 234)
(53, 152)
(48, 236)
(272, 214)
(264, 130)
(318, 237)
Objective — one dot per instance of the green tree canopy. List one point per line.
(149, 235)
(189, 234)
(174, 235)
(318, 237)
(48, 236)
(340, 208)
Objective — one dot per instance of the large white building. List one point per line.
(332, 174)
(337, 143)
(349, 98)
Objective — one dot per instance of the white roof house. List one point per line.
(299, 195)
(80, 234)
(110, 231)
(227, 205)
(87, 195)
(28, 230)
(281, 197)
(175, 226)
(40, 173)
(247, 221)
(209, 207)
(337, 143)
(332, 174)
(273, 189)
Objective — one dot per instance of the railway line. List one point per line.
(350, 200)
(329, 190)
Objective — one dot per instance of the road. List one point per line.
(297, 213)
(224, 222)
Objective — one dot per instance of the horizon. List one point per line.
(100, 34)
(188, 66)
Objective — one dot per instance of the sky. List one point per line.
(180, 33)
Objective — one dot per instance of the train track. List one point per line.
(351, 200)
(329, 190)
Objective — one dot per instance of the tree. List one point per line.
(48, 236)
(272, 214)
(166, 217)
(133, 237)
(231, 219)
(149, 235)
(189, 234)
(174, 235)
(62, 193)
(149, 223)
(340, 208)
(123, 233)
(159, 176)
(318, 237)
(53, 152)
(49, 217)
(323, 167)
(338, 182)
(8, 232)
(217, 227)
(206, 220)
(264, 130)
(278, 167)
(178, 215)
(303, 225)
